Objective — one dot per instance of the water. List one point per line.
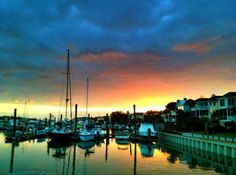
(101, 158)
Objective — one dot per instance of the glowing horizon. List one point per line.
(42, 111)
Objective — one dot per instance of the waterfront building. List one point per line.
(223, 108)
(169, 117)
(227, 107)
(180, 105)
(138, 115)
(201, 108)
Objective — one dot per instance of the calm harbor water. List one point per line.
(105, 157)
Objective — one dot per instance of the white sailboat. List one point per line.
(85, 134)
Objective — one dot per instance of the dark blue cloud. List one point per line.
(34, 35)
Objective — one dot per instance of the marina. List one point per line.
(105, 156)
(89, 147)
(118, 87)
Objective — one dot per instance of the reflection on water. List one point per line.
(108, 156)
(147, 150)
(196, 158)
(12, 157)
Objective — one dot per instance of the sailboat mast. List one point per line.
(70, 103)
(87, 98)
(67, 80)
(70, 98)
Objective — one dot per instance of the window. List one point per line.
(203, 112)
(231, 101)
(223, 114)
(232, 111)
(222, 102)
(213, 103)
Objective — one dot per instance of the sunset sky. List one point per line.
(141, 52)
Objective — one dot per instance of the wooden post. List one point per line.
(14, 126)
(50, 120)
(88, 119)
(107, 129)
(106, 118)
(76, 107)
(45, 122)
(134, 121)
(106, 152)
(107, 138)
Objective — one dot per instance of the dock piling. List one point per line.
(50, 120)
(76, 108)
(14, 126)
(134, 121)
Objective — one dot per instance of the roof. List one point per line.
(230, 94)
(214, 98)
(190, 102)
(201, 99)
(181, 102)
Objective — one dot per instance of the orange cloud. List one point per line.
(103, 57)
(111, 57)
(200, 47)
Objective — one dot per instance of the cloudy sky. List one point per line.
(139, 52)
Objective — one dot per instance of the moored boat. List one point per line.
(63, 132)
(146, 129)
(98, 132)
(85, 135)
(60, 134)
(87, 144)
(123, 135)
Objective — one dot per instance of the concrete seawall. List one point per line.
(225, 148)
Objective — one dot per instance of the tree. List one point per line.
(171, 106)
(190, 103)
(152, 116)
(119, 117)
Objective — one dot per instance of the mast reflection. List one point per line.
(135, 158)
(12, 157)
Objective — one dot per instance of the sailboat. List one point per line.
(63, 132)
(85, 134)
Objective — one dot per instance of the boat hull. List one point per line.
(85, 138)
(60, 136)
(125, 135)
(87, 144)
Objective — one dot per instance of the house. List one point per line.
(227, 107)
(201, 108)
(100, 120)
(180, 105)
(222, 108)
(138, 115)
(169, 114)
(214, 105)
(169, 117)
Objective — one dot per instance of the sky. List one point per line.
(139, 52)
